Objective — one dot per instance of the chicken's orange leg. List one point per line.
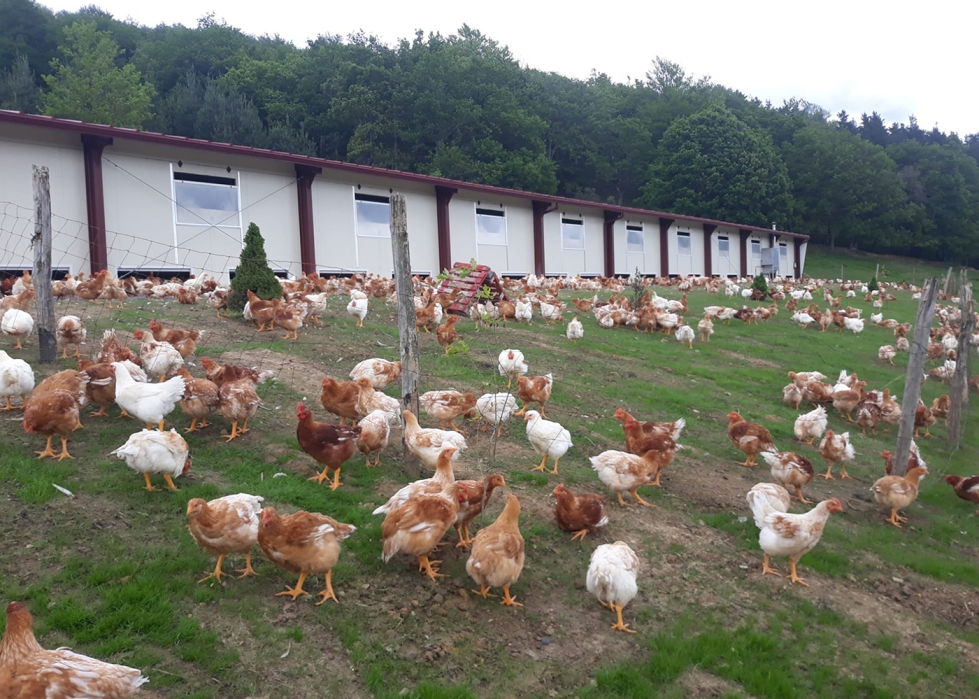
(244, 427)
(9, 406)
(294, 592)
(794, 577)
(19, 346)
(522, 410)
(336, 479)
(48, 451)
(802, 499)
(234, 432)
(100, 413)
(639, 499)
(64, 450)
(843, 468)
(554, 470)
(217, 571)
(454, 428)
(767, 569)
(508, 600)
(322, 476)
(541, 467)
(426, 566)
(169, 480)
(64, 352)
(483, 592)
(750, 461)
(579, 535)
(895, 519)
(327, 592)
(149, 486)
(621, 501)
(123, 413)
(542, 413)
(193, 426)
(829, 474)
(161, 424)
(619, 625)
(247, 570)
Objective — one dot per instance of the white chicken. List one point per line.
(685, 335)
(159, 358)
(496, 408)
(70, 331)
(810, 427)
(551, 312)
(774, 495)
(371, 399)
(358, 306)
(789, 468)
(17, 379)
(785, 534)
(575, 330)
(802, 318)
(876, 318)
(381, 372)
(149, 403)
(854, 325)
(902, 344)
(17, 323)
(427, 444)
(511, 365)
(611, 577)
(887, 354)
(152, 451)
(524, 310)
(548, 438)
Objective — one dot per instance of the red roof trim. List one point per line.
(76, 126)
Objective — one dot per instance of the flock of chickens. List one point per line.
(149, 383)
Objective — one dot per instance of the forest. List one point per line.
(462, 107)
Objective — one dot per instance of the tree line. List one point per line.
(461, 106)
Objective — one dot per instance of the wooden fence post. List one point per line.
(916, 369)
(959, 393)
(41, 241)
(407, 336)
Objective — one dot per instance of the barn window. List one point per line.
(682, 243)
(572, 234)
(373, 216)
(723, 246)
(634, 238)
(756, 248)
(203, 200)
(783, 252)
(490, 227)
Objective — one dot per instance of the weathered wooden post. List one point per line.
(948, 278)
(916, 369)
(47, 346)
(407, 336)
(959, 392)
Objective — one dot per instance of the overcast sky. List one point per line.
(897, 58)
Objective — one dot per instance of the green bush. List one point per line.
(873, 285)
(760, 284)
(253, 273)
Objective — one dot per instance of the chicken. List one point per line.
(201, 398)
(897, 492)
(551, 312)
(173, 335)
(854, 325)
(446, 333)
(148, 402)
(100, 388)
(685, 335)
(498, 554)
(706, 328)
(443, 476)
(153, 451)
(575, 330)
(914, 459)
(262, 312)
(113, 290)
(802, 318)
(640, 437)
(427, 444)
(580, 513)
(792, 395)
(224, 526)
(52, 412)
(358, 306)
(341, 398)
(330, 445)
(446, 406)
(221, 374)
(375, 430)
(749, 437)
(159, 358)
(836, 449)
(238, 402)
(535, 389)
(381, 372)
(786, 534)
(549, 439)
(370, 400)
(17, 323)
(788, 469)
(478, 495)
(307, 543)
(776, 496)
(965, 488)
(624, 472)
(940, 407)
(868, 416)
(16, 379)
(70, 331)
(511, 365)
(887, 354)
(425, 316)
(28, 671)
(113, 351)
(289, 319)
(90, 290)
(923, 417)
(416, 526)
(611, 577)
(218, 300)
(524, 310)
(496, 408)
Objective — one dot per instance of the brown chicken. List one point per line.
(914, 459)
(221, 374)
(965, 488)
(749, 437)
(70, 331)
(28, 671)
(897, 492)
(238, 402)
(425, 317)
(497, 556)
(447, 406)
(224, 526)
(330, 445)
(288, 319)
(479, 494)
(262, 311)
(218, 300)
(51, 413)
(90, 290)
(114, 351)
(792, 469)
(306, 543)
(416, 526)
(341, 399)
(173, 335)
(534, 389)
(374, 434)
(836, 449)
(923, 417)
(100, 389)
(73, 382)
(626, 473)
(201, 398)
(940, 407)
(640, 437)
(446, 333)
(580, 513)
(188, 297)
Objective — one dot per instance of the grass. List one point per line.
(112, 571)
(822, 263)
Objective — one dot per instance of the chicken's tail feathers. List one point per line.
(760, 507)
(678, 428)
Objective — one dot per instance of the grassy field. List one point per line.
(821, 263)
(112, 571)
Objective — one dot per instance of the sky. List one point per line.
(895, 58)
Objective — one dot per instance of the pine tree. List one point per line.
(253, 273)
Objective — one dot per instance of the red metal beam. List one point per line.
(745, 234)
(797, 254)
(540, 209)
(98, 255)
(442, 197)
(610, 218)
(709, 229)
(307, 238)
(664, 246)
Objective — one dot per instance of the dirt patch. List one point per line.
(300, 375)
(698, 684)
(750, 361)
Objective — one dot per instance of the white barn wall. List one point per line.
(423, 236)
(270, 201)
(730, 265)
(590, 261)
(517, 256)
(462, 230)
(648, 261)
(520, 238)
(333, 226)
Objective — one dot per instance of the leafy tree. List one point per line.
(872, 129)
(253, 273)
(26, 29)
(711, 164)
(89, 86)
(845, 123)
(18, 91)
